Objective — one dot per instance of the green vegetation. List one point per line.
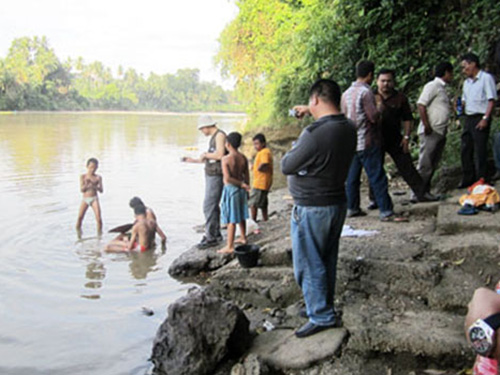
(33, 78)
(277, 48)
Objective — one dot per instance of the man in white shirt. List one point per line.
(434, 109)
(479, 96)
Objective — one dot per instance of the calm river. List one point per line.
(65, 306)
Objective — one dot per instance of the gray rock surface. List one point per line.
(403, 293)
(281, 349)
(199, 332)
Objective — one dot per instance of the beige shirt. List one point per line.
(437, 104)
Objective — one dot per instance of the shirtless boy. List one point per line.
(142, 237)
(136, 201)
(234, 206)
(90, 185)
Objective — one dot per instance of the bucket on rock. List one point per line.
(247, 255)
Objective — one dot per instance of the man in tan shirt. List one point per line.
(434, 109)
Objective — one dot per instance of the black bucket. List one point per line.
(247, 255)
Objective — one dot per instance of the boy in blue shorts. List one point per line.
(234, 206)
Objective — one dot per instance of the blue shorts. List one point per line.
(234, 205)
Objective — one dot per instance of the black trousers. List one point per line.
(474, 150)
(404, 164)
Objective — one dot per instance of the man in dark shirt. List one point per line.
(317, 168)
(395, 110)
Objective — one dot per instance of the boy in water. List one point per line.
(142, 237)
(262, 177)
(90, 185)
(234, 206)
(136, 201)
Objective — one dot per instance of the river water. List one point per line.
(65, 306)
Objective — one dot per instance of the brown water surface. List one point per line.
(65, 306)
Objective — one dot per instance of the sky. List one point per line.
(158, 36)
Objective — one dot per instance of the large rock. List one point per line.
(199, 332)
(193, 261)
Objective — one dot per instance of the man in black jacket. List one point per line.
(317, 168)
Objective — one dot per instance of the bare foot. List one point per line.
(226, 250)
(241, 241)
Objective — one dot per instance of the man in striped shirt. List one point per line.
(358, 104)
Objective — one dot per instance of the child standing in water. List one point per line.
(234, 206)
(90, 185)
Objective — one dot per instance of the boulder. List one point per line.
(199, 332)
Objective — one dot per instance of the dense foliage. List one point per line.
(32, 77)
(277, 48)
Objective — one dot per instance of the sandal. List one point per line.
(395, 219)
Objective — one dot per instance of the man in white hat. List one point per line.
(213, 179)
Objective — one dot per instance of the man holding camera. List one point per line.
(317, 167)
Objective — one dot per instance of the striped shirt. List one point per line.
(358, 105)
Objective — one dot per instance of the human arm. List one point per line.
(405, 142)
(162, 235)
(370, 107)
(422, 111)
(483, 124)
(99, 187)
(187, 159)
(83, 183)
(133, 238)
(300, 156)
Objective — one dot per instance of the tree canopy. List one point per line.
(277, 48)
(33, 77)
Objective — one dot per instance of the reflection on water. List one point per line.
(70, 307)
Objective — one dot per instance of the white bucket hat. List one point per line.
(205, 121)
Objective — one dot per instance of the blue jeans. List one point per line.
(315, 246)
(371, 160)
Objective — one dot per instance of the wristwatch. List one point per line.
(482, 334)
(485, 118)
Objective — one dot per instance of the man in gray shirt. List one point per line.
(317, 168)
(478, 96)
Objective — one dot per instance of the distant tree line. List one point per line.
(276, 48)
(32, 77)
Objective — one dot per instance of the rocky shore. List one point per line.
(403, 293)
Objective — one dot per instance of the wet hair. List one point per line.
(140, 209)
(327, 90)
(471, 58)
(259, 137)
(135, 201)
(387, 71)
(234, 139)
(93, 160)
(364, 68)
(442, 68)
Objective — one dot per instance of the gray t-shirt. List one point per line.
(318, 163)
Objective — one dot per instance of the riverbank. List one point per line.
(403, 292)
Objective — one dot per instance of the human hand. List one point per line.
(482, 124)
(301, 111)
(427, 130)
(405, 144)
(203, 156)
(245, 186)
(184, 159)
